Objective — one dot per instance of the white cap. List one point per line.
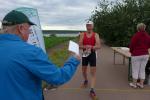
(89, 22)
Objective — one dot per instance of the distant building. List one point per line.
(61, 33)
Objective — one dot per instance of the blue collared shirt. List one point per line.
(23, 66)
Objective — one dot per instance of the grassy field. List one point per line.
(53, 41)
(57, 55)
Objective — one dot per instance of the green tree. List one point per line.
(116, 21)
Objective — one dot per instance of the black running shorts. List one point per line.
(91, 59)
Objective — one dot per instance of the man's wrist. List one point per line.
(77, 56)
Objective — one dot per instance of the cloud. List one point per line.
(52, 13)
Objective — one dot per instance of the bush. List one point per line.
(53, 41)
(116, 21)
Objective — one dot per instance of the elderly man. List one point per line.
(89, 42)
(23, 66)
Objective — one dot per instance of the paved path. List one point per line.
(112, 82)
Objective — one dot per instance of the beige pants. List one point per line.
(138, 66)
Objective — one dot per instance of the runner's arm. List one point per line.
(98, 43)
(81, 41)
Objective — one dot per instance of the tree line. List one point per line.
(116, 21)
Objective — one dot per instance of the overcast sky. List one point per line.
(55, 14)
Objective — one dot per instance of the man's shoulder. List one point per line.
(96, 34)
(26, 45)
(82, 33)
(28, 48)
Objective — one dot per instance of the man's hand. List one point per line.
(75, 55)
(88, 47)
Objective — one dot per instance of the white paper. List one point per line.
(73, 47)
(36, 36)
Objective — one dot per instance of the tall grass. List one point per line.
(53, 41)
(57, 55)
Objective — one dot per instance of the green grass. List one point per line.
(57, 56)
(53, 41)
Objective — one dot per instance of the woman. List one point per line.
(140, 43)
